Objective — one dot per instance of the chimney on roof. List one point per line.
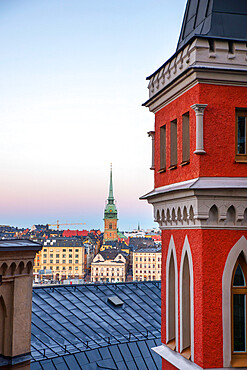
(16, 279)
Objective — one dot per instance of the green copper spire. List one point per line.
(110, 209)
(110, 197)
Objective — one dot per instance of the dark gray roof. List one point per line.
(110, 254)
(63, 242)
(222, 19)
(148, 250)
(125, 356)
(19, 245)
(75, 327)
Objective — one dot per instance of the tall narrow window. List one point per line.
(163, 148)
(171, 305)
(241, 135)
(152, 135)
(186, 138)
(239, 313)
(173, 148)
(186, 309)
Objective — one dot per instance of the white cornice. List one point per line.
(187, 204)
(198, 54)
(201, 183)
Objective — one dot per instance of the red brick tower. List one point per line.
(199, 98)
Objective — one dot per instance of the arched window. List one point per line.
(238, 249)
(171, 304)
(239, 313)
(186, 303)
(186, 320)
(110, 226)
(172, 297)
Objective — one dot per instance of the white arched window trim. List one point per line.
(186, 248)
(240, 246)
(172, 251)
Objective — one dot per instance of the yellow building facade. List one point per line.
(61, 259)
(147, 264)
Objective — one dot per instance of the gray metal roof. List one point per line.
(148, 250)
(76, 327)
(222, 19)
(18, 245)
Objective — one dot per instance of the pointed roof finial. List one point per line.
(110, 197)
(110, 208)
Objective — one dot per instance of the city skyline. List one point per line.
(72, 89)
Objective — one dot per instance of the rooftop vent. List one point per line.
(115, 301)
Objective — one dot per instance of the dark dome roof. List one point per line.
(222, 19)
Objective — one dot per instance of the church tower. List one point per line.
(110, 215)
(199, 98)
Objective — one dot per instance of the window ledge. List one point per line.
(176, 359)
(241, 160)
(239, 361)
(184, 163)
(172, 344)
(172, 167)
(186, 353)
(162, 170)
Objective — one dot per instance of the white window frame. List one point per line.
(172, 250)
(186, 248)
(240, 246)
